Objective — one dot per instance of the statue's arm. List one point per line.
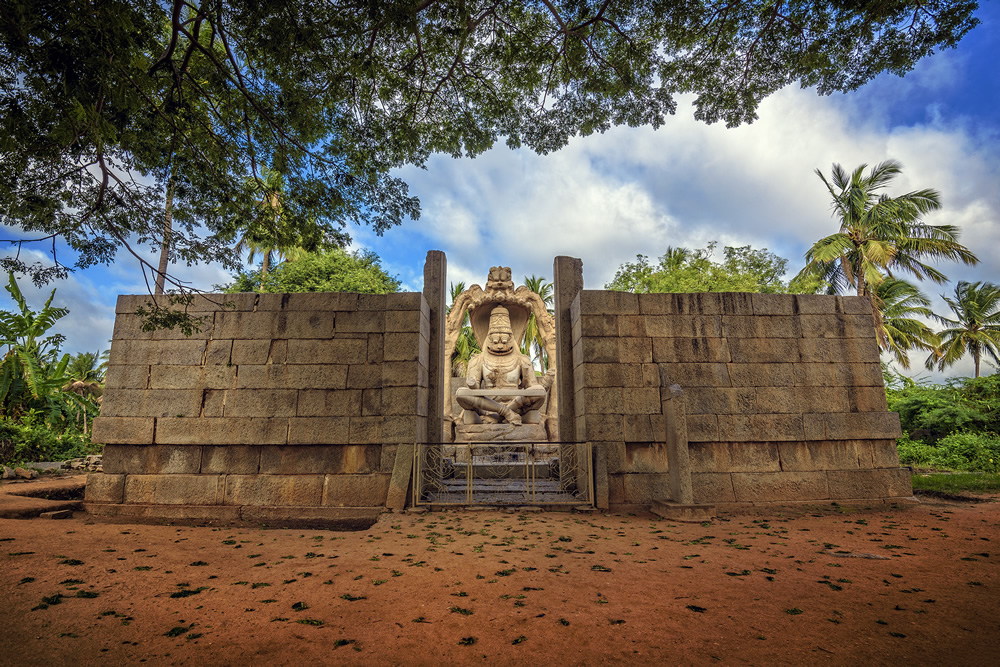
(528, 378)
(474, 375)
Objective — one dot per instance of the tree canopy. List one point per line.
(102, 104)
(335, 270)
(742, 269)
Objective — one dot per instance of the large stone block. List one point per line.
(250, 352)
(736, 303)
(760, 427)
(760, 326)
(615, 457)
(104, 487)
(322, 302)
(361, 321)
(605, 302)
(825, 455)
(762, 375)
(711, 487)
(720, 400)
(405, 429)
(734, 457)
(404, 347)
(601, 349)
(884, 454)
(763, 350)
(798, 400)
(329, 402)
(151, 403)
(639, 428)
(127, 377)
(596, 325)
(632, 326)
(356, 490)
(364, 376)
(816, 304)
(152, 459)
(404, 401)
(774, 304)
(402, 320)
(755, 487)
(837, 326)
(365, 430)
(839, 375)
(222, 431)
(192, 377)
(641, 400)
(855, 305)
(123, 430)
(644, 488)
(839, 350)
(277, 490)
(635, 350)
(129, 327)
(862, 425)
(599, 375)
(200, 303)
(857, 484)
(173, 489)
(691, 350)
(695, 375)
(297, 376)
(404, 301)
(604, 427)
(683, 326)
(702, 303)
(318, 431)
(261, 403)
(702, 428)
(153, 352)
(243, 325)
(230, 459)
(332, 351)
(646, 457)
(320, 459)
(865, 399)
(603, 399)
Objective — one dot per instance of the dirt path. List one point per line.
(499, 588)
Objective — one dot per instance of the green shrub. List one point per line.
(31, 440)
(969, 451)
(915, 453)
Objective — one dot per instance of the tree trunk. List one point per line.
(168, 219)
(975, 356)
(264, 266)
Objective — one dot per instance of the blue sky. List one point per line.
(607, 198)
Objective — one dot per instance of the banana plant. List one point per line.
(31, 374)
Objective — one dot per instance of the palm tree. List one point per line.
(879, 234)
(533, 344)
(900, 301)
(975, 330)
(466, 345)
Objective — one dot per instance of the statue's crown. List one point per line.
(500, 320)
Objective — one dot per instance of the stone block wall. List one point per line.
(784, 396)
(282, 406)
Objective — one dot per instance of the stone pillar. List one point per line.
(435, 287)
(674, 407)
(568, 282)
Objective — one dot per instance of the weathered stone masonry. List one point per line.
(784, 396)
(285, 407)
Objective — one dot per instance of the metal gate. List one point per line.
(503, 473)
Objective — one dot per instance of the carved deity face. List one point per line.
(500, 338)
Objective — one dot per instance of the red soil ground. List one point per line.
(505, 588)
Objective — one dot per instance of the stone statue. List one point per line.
(501, 398)
(506, 377)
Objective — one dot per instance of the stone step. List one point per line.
(692, 513)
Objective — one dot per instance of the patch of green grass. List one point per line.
(86, 594)
(460, 610)
(969, 482)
